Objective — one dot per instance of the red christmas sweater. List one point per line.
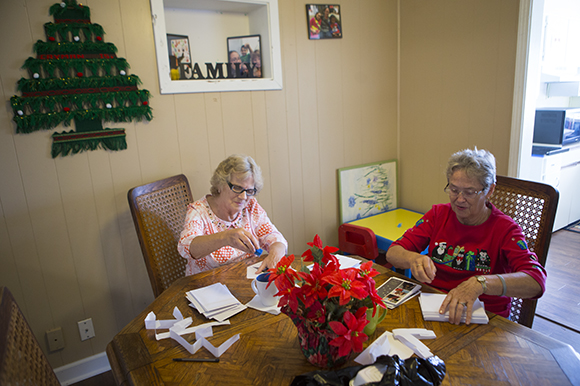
(462, 251)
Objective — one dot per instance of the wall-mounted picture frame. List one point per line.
(244, 56)
(179, 54)
(366, 190)
(324, 21)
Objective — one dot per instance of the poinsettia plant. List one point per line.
(326, 298)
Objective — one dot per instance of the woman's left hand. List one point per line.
(460, 299)
(277, 251)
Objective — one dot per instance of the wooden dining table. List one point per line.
(268, 353)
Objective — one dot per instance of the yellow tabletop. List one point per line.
(390, 225)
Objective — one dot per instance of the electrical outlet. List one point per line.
(55, 339)
(86, 329)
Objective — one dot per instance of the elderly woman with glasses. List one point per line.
(475, 251)
(229, 225)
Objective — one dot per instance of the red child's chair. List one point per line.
(361, 241)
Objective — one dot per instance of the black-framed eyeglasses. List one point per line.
(239, 190)
(466, 193)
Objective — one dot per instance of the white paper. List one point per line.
(178, 327)
(257, 304)
(369, 374)
(213, 297)
(229, 313)
(252, 270)
(385, 344)
(430, 304)
(411, 336)
(215, 302)
(151, 323)
(347, 262)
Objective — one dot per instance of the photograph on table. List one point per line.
(244, 57)
(324, 21)
(366, 190)
(179, 55)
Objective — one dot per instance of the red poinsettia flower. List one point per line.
(350, 337)
(327, 251)
(375, 298)
(313, 288)
(366, 270)
(317, 313)
(346, 285)
(317, 242)
(288, 296)
(283, 273)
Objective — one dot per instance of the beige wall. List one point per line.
(68, 249)
(457, 76)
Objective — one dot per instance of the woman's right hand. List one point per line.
(241, 239)
(423, 268)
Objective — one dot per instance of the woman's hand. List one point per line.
(460, 299)
(423, 268)
(276, 253)
(241, 239)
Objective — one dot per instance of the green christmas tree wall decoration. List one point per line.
(76, 76)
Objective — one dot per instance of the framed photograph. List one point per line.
(179, 53)
(246, 51)
(324, 21)
(365, 190)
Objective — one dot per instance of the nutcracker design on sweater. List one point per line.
(76, 76)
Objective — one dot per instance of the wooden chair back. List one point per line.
(533, 206)
(22, 361)
(158, 211)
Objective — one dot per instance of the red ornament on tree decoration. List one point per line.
(99, 38)
(66, 109)
(80, 74)
(51, 38)
(145, 103)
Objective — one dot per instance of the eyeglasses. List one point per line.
(239, 190)
(467, 193)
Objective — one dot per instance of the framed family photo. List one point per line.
(245, 50)
(179, 55)
(324, 21)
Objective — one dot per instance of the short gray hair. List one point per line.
(478, 164)
(236, 164)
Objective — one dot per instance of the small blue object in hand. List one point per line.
(258, 252)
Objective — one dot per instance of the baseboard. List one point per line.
(83, 369)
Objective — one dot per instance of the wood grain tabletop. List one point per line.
(268, 352)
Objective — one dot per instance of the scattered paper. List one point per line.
(430, 304)
(180, 326)
(257, 304)
(385, 344)
(151, 323)
(178, 329)
(411, 336)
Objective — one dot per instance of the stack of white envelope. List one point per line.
(215, 302)
(430, 304)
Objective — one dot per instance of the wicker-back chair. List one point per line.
(533, 206)
(22, 361)
(158, 211)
